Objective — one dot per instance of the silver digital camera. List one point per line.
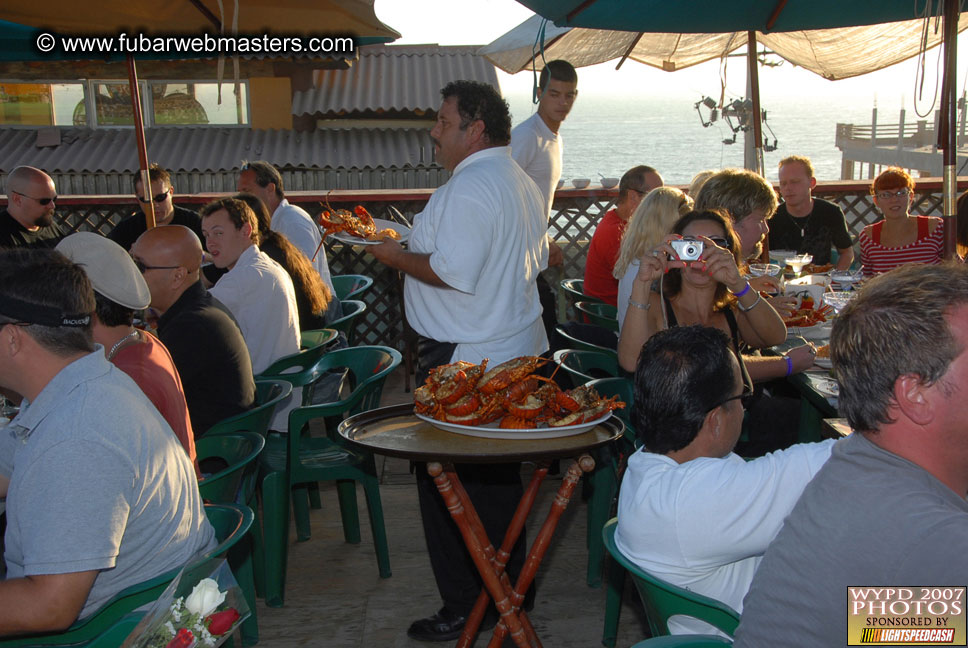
(687, 249)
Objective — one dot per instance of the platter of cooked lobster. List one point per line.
(508, 401)
(358, 227)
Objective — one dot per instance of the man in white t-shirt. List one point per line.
(690, 511)
(264, 180)
(474, 255)
(256, 289)
(536, 146)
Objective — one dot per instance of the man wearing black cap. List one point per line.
(100, 495)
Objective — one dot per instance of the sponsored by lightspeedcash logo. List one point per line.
(896, 616)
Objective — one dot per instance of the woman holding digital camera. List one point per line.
(701, 283)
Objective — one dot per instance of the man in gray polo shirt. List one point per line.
(100, 495)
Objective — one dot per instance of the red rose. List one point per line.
(221, 622)
(183, 639)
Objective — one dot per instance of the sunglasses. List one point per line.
(157, 198)
(720, 241)
(143, 267)
(743, 398)
(40, 201)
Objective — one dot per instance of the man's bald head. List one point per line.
(171, 256)
(31, 197)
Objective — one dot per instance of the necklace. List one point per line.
(120, 343)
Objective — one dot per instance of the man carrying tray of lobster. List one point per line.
(470, 293)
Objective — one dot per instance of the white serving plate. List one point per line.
(819, 331)
(828, 388)
(492, 431)
(825, 363)
(349, 239)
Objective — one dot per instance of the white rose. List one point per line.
(204, 598)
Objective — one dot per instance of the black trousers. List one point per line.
(549, 309)
(494, 489)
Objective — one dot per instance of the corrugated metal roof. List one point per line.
(213, 149)
(393, 77)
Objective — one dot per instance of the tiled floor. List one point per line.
(335, 598)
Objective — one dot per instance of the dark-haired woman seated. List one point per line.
(316, 302)
(710, 291)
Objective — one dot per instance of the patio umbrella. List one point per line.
(355, 18)
(769, 16)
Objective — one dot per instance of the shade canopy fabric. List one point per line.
(716, 16)
(333, 17)
(832, 53)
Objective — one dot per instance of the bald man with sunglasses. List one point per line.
(161, 193)
(28, 220)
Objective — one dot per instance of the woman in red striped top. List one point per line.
(901, 237)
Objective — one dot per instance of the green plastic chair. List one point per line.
(239, 450)
(230, 521)
(602, 484)
(352, 308)
(576, 343)
(685, 641)
(599, 313)
(576, 289)
(268, 394)
(317, 337)
(350, 286)
(315, 458)
(299, 370)
(660, 599)
(115, 635)
(583, 365)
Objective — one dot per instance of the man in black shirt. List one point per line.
(807, 224)
(28, 220)
(203, 338)
(128, 230)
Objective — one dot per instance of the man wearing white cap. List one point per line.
(119, 291)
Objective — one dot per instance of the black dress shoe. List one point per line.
(444, 626)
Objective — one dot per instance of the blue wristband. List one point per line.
(743, 291)
(789, 362)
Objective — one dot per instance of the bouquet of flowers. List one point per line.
(201, 607)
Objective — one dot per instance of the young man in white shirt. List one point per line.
(537, 147)
(256, 289)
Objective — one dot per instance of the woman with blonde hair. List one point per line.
(648, 227)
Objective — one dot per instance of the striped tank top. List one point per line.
(927, 248)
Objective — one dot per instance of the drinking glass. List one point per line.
(837, 299)
(797, 262)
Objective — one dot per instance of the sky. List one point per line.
(478, 22)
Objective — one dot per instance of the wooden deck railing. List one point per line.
(577, 212)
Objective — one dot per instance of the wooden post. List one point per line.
(139, 138)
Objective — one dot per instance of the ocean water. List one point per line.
(607, 136)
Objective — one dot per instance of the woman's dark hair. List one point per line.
(312, 294)
(682, 373)
(673, 281)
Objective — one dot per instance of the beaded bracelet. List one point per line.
(742, 292)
